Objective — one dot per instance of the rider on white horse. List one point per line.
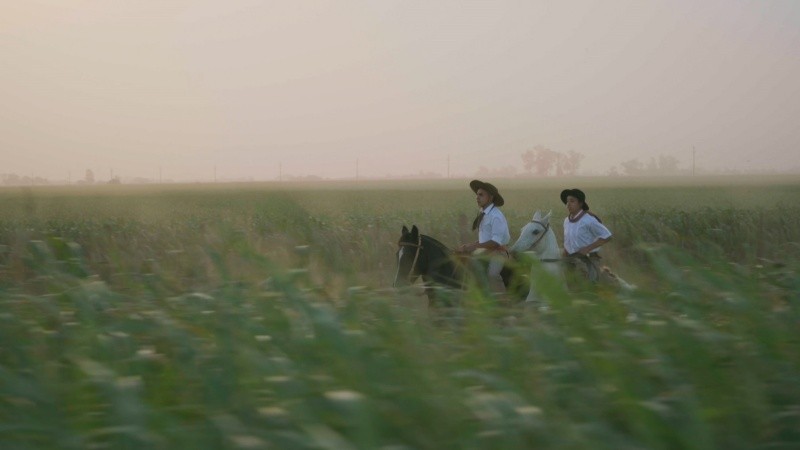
(584, 234)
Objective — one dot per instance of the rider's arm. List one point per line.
(588, 249)
(488, 245)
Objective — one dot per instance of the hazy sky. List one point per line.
(397, 85)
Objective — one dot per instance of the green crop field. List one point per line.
(250, 316)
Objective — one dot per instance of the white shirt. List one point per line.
(494, 226)
(584, 232)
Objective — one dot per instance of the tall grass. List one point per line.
(261, 318)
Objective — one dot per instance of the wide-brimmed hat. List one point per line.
(577, 193)
(488, 187)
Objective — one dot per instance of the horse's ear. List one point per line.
(414, 230)
(405, 230)
(547, 217)
(537, 215)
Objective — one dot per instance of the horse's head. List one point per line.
(531, 235)
(409, 247)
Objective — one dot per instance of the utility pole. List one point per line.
(280, 171)
(693, 159)
(215, 173)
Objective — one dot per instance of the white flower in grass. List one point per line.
(272, 411)
(146, 352)
(244, 441)
(199, 296)
(354, 333)
(344, 396)
(490, 434)
(528, 410)
(132, 382)
(277, 379)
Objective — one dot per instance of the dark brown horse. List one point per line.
(421, 256)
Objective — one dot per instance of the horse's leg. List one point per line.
(556, 269)
(430, 292)
(532, 296)
(593, 271)
(610, 277)
(553, 269)
(506, 273)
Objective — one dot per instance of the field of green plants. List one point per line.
(261, 316)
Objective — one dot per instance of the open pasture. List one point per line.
(260, 316)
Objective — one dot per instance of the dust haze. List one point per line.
(195, 90)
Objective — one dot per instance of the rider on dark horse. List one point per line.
(493, 232)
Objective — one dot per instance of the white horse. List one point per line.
(537, 237)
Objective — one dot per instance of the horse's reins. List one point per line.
(416, 255)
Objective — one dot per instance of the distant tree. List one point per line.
(613, 172)
(11, 179)
(540, 160)
(632, 167)
(652, 166)
(527, 160)
(89, 177)
(543, 161)
(661, 165)
(667, 164)
(567, 164)
(115, 180)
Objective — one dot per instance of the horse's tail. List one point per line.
(616, 279)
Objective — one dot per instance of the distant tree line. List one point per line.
(12, 179)
(539, 161)
(542, 161)
(662, 165)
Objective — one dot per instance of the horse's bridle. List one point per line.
(418, 245)
(546, 227)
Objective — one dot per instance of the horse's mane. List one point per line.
(444, 269)
(443, 248)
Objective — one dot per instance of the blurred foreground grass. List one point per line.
(259, 317)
